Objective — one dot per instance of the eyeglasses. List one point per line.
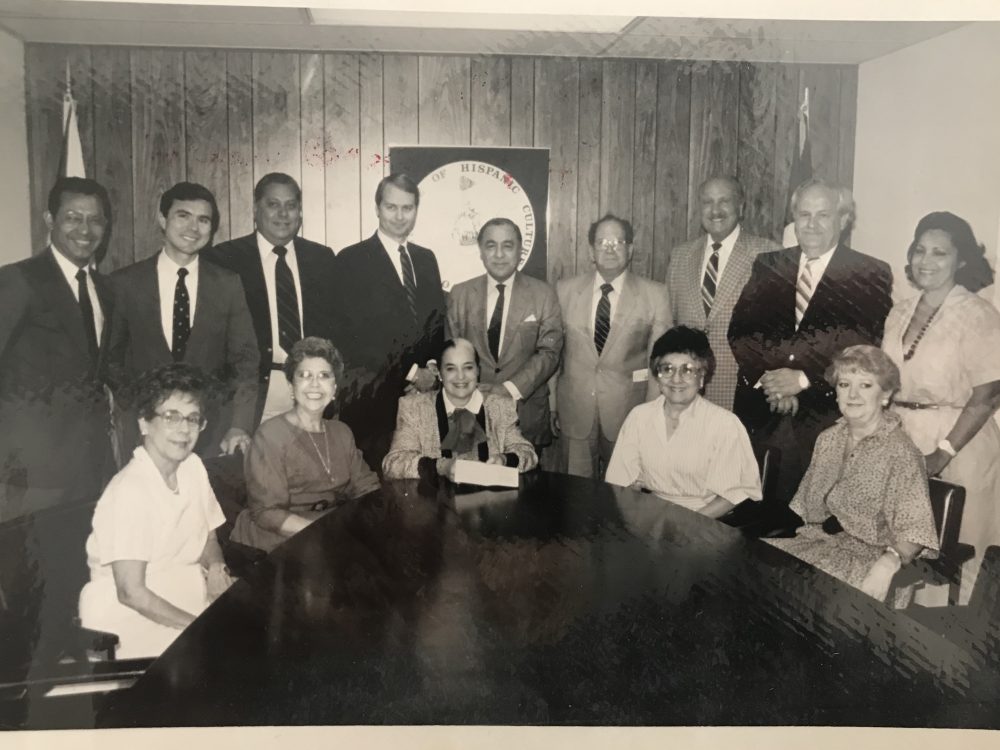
(174, 419)
(323, 376)
(611, 244)
(687, 372)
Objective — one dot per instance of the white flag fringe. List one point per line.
(72, 149)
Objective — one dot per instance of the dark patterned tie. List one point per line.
(289, 325)
(602, 321)
(710, 282)
(87, 310)
(496, 320)
(182, 316)
(409, 280)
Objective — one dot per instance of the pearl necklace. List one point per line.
(327, 464)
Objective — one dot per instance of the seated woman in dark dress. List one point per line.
(434, 429)
(300, 465)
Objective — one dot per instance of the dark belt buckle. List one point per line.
(321, 505)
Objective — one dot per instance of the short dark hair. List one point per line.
(314, 346)
(623, 223)
(731, 181)
(400, 181)
(79, 186)
(684, 340)
(155, 386)
(189, 191)
(865, 358)
(499, 221)
(275, 178)
(453, 344)
(976, 273)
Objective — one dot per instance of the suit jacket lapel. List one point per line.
(739, 263)
(826, 287)
(256, 287)
(694, 275)
(623, 311)
(205, 308)
(61, 300)
(104, 298)
(515, 313)
(149, 289)
(478, 315)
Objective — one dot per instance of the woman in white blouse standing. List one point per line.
(681, 446)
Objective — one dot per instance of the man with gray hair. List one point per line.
(802, 306)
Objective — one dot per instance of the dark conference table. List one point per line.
(568, 602)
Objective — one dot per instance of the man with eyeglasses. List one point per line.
(515, 324)
(707, 274)
(611, 317)
(171, 307)
(54, 442)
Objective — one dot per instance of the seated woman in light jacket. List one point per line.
(434, 429)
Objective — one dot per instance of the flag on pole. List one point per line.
(71, 159)
(802, 169)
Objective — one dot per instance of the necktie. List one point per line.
(87, 310)
(602, 321)
(803, 292)
(409, 280)
(182, 316)
(493, 332)
(710, 281)
(289, 326)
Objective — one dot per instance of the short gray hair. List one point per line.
(845, 198)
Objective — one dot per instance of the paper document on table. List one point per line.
(485, 475)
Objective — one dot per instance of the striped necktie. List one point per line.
(602, 320)
(803, 291)
(710, 281)
(287, 302)
(409, 281)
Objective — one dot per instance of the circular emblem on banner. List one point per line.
(455, 201)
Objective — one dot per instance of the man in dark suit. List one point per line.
(54, 307)
(394, 310)
(800, 307)
(171, 307)
(515, 324)
(287, 282)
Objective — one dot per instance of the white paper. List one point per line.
(485, 475)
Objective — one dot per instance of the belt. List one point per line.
(915, 405)
(319, 505)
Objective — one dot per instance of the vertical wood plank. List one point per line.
(824, 118)
(644, 168)
(206, 120)
(157, 138)
(43, 109)
(400, 98)
(673, 137)
(444, 108)
(588, 185)
(522, 101)
(557, 113)
(313, 155)
(239, 98)
(714, 126)
(82, 77)
(848, 125)
(374, 153)
(343, 159)
(113, 149)
(755, 169)
(786, 128)
(276, 114)
(617, 136)
(490, 101)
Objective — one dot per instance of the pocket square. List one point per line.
(530, 319)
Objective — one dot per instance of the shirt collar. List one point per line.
(266, 247)
(728, 242)
(890, 421)
(474, 405)
(616, 283)
(685, 415)
(389, 243)
(509, 283)
(819, 263)
(167, 264)
(68, 268)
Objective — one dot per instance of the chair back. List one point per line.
(947, 504)
(985, 598)
(767, 461)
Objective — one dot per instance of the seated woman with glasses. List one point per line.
(300, 465)
(681, 446)
(434, 429)
(154, 560)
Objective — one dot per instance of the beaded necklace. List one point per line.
(908, 355)
(327, 464)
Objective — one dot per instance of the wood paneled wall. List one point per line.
(633, 137)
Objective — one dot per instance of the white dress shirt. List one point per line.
(69, 271)
(724, 252)
(818, 268)
(269, 261)
(392, 250)
(616, 291)
(166, 278)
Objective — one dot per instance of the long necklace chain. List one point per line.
(923, 329)
(327, 464)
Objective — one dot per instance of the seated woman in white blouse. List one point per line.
(680, 446)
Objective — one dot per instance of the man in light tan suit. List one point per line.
(707, 274)
(611, 318)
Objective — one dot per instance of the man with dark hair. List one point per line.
(515, 324)
(54, 307)
(171, 307)
(393, 312)
(707, 274)
(611, 318)
(287, 281)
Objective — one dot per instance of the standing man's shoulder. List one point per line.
(464, 288)
(231, 252)
(134, 271)
(755, 244)
(648, 287)
(690, 246)
(864, 260)
(358, 251)
(309, 248)
(537, 287)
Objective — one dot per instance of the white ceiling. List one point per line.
(161, 23)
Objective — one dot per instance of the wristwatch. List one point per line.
(947, 447)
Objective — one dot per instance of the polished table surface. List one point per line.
(565, 602)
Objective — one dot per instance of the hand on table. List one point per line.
(446, 468)
(876, 583)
